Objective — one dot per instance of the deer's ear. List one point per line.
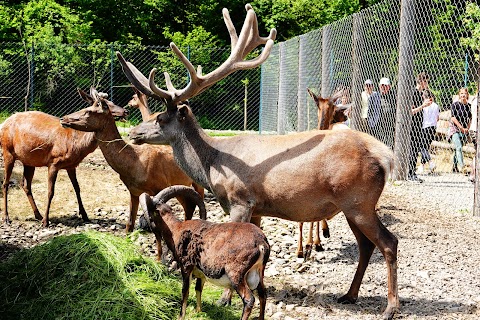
(182, 112)
(313, 95)
(85, 96)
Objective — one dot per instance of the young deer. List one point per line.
(139, 101)
(294, 177)
(37, 139)
(144, 168)
(206, 251)
(329, 117)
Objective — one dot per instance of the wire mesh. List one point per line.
(394, 41)
(46, 78)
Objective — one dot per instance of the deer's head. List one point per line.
(94, 117)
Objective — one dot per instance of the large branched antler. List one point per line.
(242, 45)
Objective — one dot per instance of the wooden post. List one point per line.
(406, 85)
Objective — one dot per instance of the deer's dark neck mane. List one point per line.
(195, 152)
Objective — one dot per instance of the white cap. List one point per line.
(384, 81)
(368, 81)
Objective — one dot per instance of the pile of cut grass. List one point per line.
(95, 275)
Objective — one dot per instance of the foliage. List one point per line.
(471, 20)
(198, 38)
(94, 275)
(295, 17)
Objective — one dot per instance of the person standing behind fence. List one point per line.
(366, 93)
(431, 115)
(417, 122)
(381, 113)
(458, 128)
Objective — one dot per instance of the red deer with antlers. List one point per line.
(37, 139)
(294, 177)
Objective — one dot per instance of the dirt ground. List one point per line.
(438, 256)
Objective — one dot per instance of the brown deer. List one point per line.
(144, 168)
(329, 115)
(139, 101)
(37, 139)
(205, 250)
(294, 177)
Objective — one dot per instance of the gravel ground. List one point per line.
(438, 256)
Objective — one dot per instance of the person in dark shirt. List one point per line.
(458, 130)
(416, 111)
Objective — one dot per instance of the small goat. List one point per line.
(144, 168)
(37, 139)
(232, 254)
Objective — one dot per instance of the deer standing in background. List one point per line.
(329, 116)
(139, 101)
(294, 177)
(37, 139)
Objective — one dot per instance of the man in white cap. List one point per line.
(381, 113)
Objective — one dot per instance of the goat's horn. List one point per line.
(173, 191)
(146, 204)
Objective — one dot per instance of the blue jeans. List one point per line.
(458, 140)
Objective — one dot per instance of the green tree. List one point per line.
(471, 21)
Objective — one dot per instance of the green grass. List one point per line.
(96, 275)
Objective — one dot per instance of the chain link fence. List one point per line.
(46, 78)
(397, 40)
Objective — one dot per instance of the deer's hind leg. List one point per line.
(370, 232)
(28, 173)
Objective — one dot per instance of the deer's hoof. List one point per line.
(38, 216)
(346, 299)
(389, 312)
(224, 302)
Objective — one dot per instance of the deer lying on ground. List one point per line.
(330, 117)
(37, 139)
(208, 251)
(145, 168)
(245, 172)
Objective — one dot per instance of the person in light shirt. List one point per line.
(431, 115)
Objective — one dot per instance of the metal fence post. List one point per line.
(282, 92)
(302, 110)
(111, 71)
(32, 77)
(356, 112)
(324, 92)
(405, 88)
(476, 193)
